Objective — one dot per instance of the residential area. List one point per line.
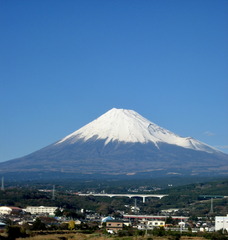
(179, 211)
(48, 218)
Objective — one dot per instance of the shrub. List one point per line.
(15, 232)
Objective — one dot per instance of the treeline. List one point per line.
(186, 198)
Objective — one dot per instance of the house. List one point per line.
(113, 226)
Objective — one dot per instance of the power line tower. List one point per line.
(53, 193)
(212, 209)
(2, 187)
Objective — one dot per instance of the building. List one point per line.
(155, 223)
(105, 219)
(144, 224)
(4, 210)
(169, 211)
(153, 217)
(41, 210)
(221, 223)
(2, 225)
(113, 226)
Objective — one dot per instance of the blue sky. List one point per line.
(64, 63)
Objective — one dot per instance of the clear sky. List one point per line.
(64, 63)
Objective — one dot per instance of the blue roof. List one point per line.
(107, 219)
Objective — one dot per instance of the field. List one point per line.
(104, 237)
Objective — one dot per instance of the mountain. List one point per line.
(122, 142)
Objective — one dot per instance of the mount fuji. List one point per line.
(122, 142)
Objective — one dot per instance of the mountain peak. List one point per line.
(127, 126)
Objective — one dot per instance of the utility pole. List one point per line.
(2, 187)
(181, 226)
(135, 206)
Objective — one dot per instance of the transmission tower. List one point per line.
(53, 193)
(2, 187)
(211, 210)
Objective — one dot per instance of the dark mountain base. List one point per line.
(116, 159)
(59, 176)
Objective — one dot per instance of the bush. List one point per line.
(15, 232)
(159, 231)
(38, 225)
(123, 233)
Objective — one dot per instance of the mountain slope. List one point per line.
(123, 142)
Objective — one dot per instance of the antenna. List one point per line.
(2, 187)
(53, 193)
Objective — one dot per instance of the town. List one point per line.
(142, 211)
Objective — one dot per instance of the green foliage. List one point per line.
(170, 220)
(128, 232)
(38, 225)
(58, 212)
(159, 231)
(215, 236)
(182, 197)
(14, 232)
(63, 226)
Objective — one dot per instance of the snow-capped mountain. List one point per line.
(130, 127)
(122, 142)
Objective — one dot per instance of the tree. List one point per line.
(14, 232)
(58, 212)
(170, 220)
(71, 225)
(38, 225)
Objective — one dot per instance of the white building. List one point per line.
(221, 223)
(41, 210)
(4, 210)
(156, 223)
(170, 210)
(150, 224)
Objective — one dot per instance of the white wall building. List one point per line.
(41, 210)
(150, 224)
(5, 210)
(156, 223)
(221, 223)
